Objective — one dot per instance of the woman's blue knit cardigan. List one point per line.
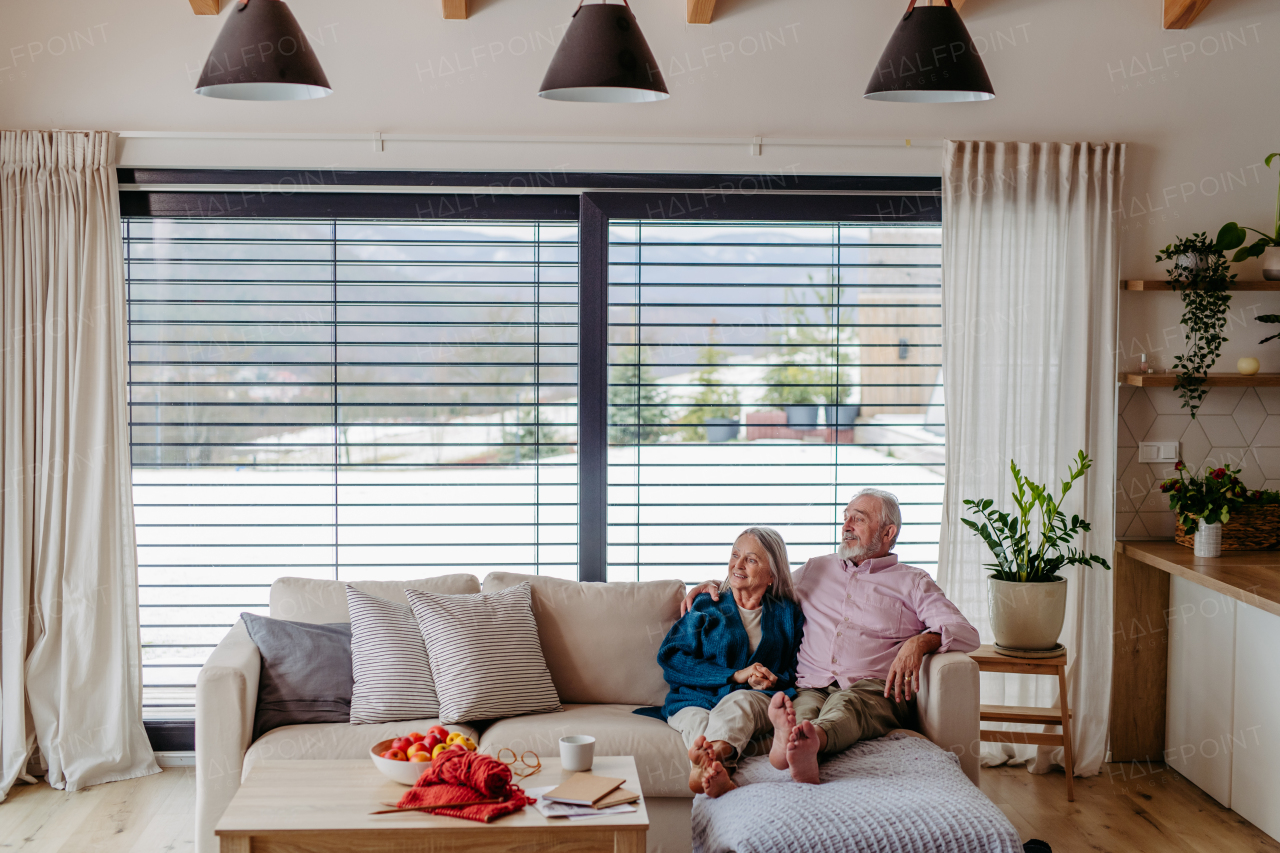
(709, 644)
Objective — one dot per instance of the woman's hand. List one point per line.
(757, 676)
(706, 586)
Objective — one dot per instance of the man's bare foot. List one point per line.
(716, 781)
(783, 716)
(802, 753)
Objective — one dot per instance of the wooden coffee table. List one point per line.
(323, 807)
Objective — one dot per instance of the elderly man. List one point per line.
(869, 622)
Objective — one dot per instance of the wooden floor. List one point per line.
(1133, 808)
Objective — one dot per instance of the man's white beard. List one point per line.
(860, 551)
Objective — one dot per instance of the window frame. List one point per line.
(592, 199)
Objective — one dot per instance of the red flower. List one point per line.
(1220, 473)
(1179, 465)
(1177, 487)
(1164, 487)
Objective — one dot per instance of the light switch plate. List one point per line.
(1158, 451)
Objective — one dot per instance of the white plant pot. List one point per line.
(1208, 539)
(1271, 263)
(1027, 616)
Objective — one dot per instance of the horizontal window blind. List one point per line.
(342, 399)
(760, 374)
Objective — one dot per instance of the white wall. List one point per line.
(1196, 106)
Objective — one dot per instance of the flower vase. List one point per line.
(1208, 539)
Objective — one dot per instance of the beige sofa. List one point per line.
(600, 642)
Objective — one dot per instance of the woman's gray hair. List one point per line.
(890, 512)
(775, 548)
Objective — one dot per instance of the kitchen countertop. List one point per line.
(1252, 577)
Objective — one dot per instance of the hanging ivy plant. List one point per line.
(1201, 272)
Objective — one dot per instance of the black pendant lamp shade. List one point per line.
(262, 55)
(603, 57)
(930, 59)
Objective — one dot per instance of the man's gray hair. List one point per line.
(890, 512)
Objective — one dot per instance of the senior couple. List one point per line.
(825, 657)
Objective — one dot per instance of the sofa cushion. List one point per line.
(484, 653)
(600, 640)
(389, 663)
(333, 741)
(306, 672)
(658, 749)
(312, 600)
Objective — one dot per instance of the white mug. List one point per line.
(576, 752)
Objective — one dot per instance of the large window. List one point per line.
(761, 373)
(558, 378)
(342, 399)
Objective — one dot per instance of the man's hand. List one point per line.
(904, 676)
(755, 674)
(712, 587)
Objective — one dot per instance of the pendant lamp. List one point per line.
(930, 60)
(262, 55)
(604, 58)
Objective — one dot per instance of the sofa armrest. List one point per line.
(226, 698)
(948, 706)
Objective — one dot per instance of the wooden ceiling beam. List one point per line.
(454, 10)
(205, 7)
(700, 11)
(1180, 14)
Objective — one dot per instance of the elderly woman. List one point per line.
(725, 659)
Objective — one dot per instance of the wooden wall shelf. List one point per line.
(1166, 287)
(1215, 380)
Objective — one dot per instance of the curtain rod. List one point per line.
(377, 139)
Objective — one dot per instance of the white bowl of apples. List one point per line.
(405, 759)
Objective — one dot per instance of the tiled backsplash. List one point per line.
(1240, 426)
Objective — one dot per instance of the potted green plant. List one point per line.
(1027, 597)
(1204, 504)
(714, 408)
(1201, 272)
(793, 387)
(1232, 236)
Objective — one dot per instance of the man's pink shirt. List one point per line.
(857, 616)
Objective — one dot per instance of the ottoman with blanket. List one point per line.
(897, 794)
(600, 642)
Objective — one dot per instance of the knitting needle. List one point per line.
(437, 806)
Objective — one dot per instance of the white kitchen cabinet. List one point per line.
(1255, 775)
(1198, 727)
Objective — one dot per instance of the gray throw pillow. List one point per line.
(306, 672)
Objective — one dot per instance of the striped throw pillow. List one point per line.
(389, 662)
(485, 654)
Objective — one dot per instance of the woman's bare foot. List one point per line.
(802, 753)
(699, 756)
(716, 781)
(783, 716)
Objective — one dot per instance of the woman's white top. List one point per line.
(751, 621)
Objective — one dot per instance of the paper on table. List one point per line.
(550, 809)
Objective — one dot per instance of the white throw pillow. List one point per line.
(389, 662)
(485, 654)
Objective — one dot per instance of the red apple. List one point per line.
(395, 755)
(417, 738)
(432, 741)
(420, 757)
(440, 732)
(414, 749)
(460, 746)
(401, 743)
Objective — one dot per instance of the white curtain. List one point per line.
(1030, 272)
(70, 668)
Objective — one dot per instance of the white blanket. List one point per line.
(898, 794)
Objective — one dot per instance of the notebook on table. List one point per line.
(584, 789)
